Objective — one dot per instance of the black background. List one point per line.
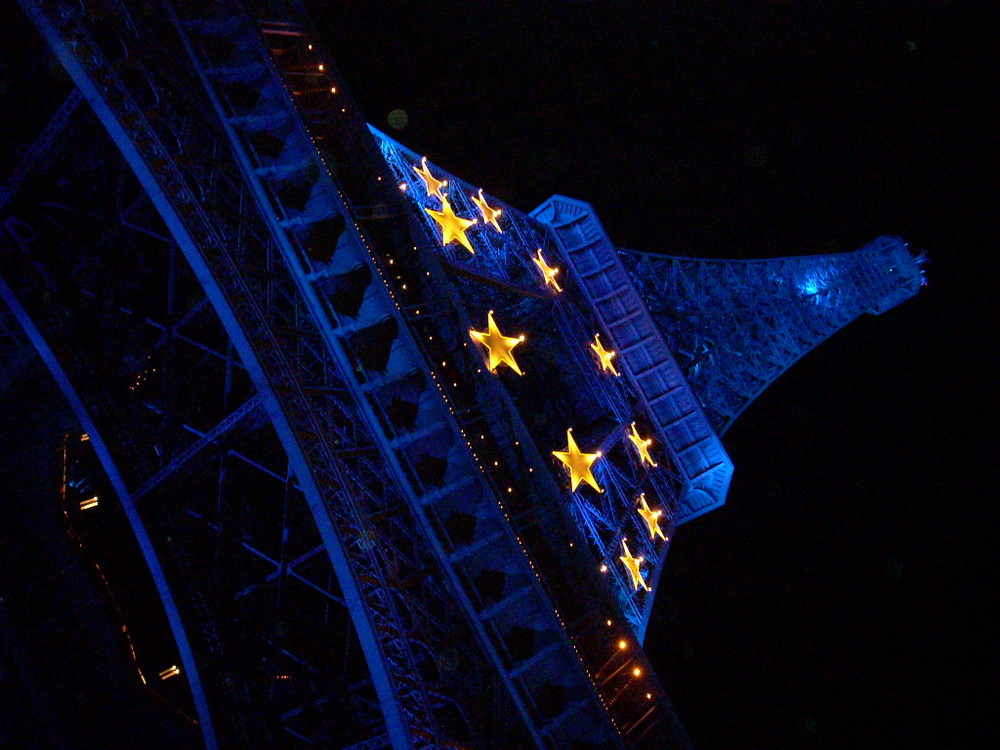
(843, 597)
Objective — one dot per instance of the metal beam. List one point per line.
(212, 436)
(131, 512)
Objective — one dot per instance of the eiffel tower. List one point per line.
(399, 464)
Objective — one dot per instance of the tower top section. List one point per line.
(736, 325)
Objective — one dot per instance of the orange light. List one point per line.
(642, 446)
(548, 272)
(90, 503)
(453, 227)
(604, 356)
(622, 645)
(637, 672)
(490, 214)
(578, 463)
(172, 671)
(500, 347)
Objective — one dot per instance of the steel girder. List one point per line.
(736, 325)
(305, 325)
(245, 281)
(372, 339)
(503, 274)
(695, 448)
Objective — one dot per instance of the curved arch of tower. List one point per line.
(400, 464)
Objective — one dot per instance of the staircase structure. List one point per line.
(401, 462)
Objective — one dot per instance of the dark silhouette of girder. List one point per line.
(247, 303)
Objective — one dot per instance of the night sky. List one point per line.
(843, 597)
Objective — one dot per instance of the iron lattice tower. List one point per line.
(358, 530)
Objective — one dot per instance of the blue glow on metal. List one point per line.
(506, 259)
(690, 380)
(823, 283)
(809, 287)
(736, 325)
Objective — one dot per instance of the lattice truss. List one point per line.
(736, 325)
(563, 385)
(348, 386)
(152, 367)
(203, 466)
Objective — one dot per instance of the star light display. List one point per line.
(604, 356)
(578, 463)
(452, 227)
(642, 446)
(548, 272)
(433, 185)
(500, 347)
(490, 215)
(634, 566)
(651, 517)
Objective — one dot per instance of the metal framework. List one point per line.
(736, 325)
(356, 532)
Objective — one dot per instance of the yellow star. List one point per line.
(452, 227)
(500, 346)
(433, 186)
(548, 273)
(642, 446)
(578, 463)
(652, 518)
(633, 564)
(604, 355)
(489, 214)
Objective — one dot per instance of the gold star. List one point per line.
(500, 346)
(548, 273)
(452, 227)
(433, 186)
(633, 564)
(652, 518)
(604, 355)
(578, 463)
(642, 446)
(489, 214)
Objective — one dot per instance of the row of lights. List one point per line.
(451, 410)
(500, 348)
(549, 279)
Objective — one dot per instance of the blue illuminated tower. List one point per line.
(402, 461)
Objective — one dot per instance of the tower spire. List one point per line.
(736, 325)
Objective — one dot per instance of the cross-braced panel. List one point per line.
(736, 325)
